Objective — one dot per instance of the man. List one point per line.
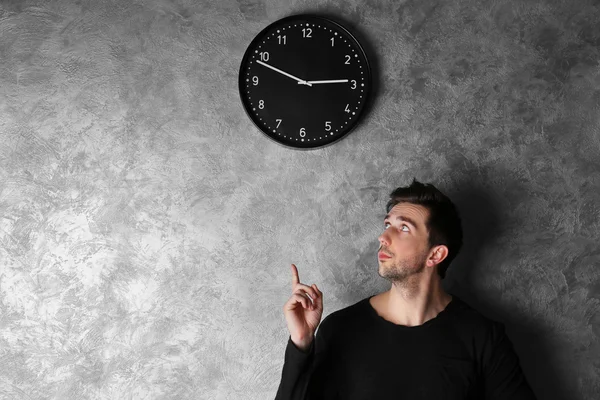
(414, 341)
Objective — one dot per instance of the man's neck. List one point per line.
(415, 305)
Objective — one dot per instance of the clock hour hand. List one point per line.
(330, 81)
(300, 81)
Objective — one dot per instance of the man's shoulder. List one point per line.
(470, 320)
(349, 314)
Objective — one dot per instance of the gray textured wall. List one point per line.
(147, 228)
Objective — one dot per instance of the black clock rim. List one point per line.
(260, 35)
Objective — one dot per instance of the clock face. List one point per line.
(304, 81)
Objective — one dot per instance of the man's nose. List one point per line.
(383, 240)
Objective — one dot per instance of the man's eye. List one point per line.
(387, 223)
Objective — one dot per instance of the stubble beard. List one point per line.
(400, 271)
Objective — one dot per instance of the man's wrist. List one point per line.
(303, 344)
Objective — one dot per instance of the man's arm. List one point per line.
(308, 375)
(503, 377)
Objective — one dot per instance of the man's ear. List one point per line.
(438, 254)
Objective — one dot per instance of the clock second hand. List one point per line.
(330, 81)
(300, 81)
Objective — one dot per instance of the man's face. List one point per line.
(405, 239)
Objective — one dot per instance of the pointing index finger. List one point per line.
(295, 277)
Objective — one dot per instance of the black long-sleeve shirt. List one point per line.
(357, 354)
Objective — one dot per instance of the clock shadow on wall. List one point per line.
(307, 80)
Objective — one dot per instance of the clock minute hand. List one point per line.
(330, 81)
(300, 81)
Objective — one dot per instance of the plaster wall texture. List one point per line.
(147, 227)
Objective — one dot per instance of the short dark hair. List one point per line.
(443, 224)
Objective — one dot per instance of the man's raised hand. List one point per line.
(303, 315)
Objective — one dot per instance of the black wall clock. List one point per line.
(304, 81)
